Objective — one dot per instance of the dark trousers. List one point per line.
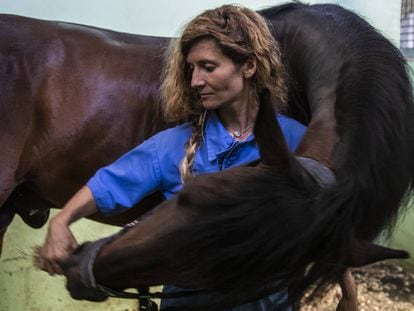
(273, 302)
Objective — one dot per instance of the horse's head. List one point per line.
(78, 270)
(77, 267)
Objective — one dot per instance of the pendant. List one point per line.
(237, 134)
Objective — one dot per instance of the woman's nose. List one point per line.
(197, 79)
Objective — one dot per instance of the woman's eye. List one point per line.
(210, 68)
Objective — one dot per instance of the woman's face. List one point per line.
(218, 81)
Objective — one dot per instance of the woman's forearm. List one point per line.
(82, 204)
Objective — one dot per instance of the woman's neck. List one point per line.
(239, 124)
(239, 119)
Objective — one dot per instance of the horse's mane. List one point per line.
(304, 233)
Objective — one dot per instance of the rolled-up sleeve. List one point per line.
(126, 181)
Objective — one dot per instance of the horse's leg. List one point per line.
(2, 233)
(349, 300)
(6, 217)
(29, 205)
(6, 213)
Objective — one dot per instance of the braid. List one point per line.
(197, 137)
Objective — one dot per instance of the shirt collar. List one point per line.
(217, 139)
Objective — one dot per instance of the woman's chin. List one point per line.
(208, 105)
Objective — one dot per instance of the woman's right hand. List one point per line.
(59, 242)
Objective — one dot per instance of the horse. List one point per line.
(63, 86)
(292, 220)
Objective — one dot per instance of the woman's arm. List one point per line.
(60, 240)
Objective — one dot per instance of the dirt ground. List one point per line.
(384, 286)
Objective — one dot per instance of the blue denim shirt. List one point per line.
(154, 164)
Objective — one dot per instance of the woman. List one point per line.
(214, 73)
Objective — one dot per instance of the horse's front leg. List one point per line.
(6, 217)
(349, 300)
(2, 233)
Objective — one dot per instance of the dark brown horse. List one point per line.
(289, 221)
(73, 98)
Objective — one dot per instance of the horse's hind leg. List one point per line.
(29, 205)
(349, 300)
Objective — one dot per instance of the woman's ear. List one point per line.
(249, 67)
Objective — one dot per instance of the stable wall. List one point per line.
(165, 17)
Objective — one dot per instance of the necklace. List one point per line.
(240, 133)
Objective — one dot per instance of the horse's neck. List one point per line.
(142, 249)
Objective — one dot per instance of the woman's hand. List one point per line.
(59, 242)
